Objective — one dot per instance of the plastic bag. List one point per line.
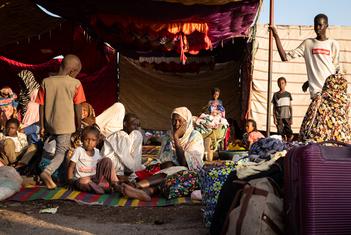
(10, 182)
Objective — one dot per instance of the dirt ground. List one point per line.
(72, 218)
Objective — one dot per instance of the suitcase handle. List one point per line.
(334, 142)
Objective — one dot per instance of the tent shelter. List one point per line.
(155, 39)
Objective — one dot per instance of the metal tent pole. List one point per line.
(270, 67)
(118, 76)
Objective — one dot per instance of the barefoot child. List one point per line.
(89, 172)
(59, 100)
(282, 110)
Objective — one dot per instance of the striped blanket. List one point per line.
(36, 193)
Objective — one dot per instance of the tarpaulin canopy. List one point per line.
(22, 19)
(294, 71)
(159, 26)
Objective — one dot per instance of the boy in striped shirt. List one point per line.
(282, 110)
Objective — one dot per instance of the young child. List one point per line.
(88, 115)
(282, 110)
(8, 103)
(252, 134)
(59, 98)
(89, 172)
(15, 149)
(215, 106)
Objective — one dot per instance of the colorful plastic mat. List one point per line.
(37, 193)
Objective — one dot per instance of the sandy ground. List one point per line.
(72, 218)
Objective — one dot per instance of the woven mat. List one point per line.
(36, 193)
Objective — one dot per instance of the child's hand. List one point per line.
(181, 131)
(273, 29)
(42, 132)
(305, 86)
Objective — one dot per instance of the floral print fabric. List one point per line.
(180, 184)
(327, 116)
(212, 178)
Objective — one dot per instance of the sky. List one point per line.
(302, 12)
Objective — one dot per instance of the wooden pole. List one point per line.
(118, 76)
(270, 67)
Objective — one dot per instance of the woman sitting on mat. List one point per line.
(182, 150)
(89, 172)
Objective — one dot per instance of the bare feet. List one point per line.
(135, 193)
(50, 184)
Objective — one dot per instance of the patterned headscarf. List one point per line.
(188, 117)
(29, 84)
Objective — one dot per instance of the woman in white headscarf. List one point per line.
(181, 150)
(184, 146)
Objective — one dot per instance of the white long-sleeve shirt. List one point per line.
(124, 150)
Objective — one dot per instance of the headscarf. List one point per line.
(29, 84)
(188, 117)
(111, 120)
(90, 119)
(191, 142)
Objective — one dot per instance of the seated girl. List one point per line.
(252, 134)
(15, 149)
(182, 150)
(8, 103)
(89, 172)
(124, 147)
(88, 115)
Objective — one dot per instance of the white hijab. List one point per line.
(111, 120)
(185, 113)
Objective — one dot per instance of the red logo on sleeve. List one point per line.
(320, 51)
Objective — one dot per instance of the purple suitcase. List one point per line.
(318, 190)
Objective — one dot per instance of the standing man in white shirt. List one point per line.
(321, 55)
